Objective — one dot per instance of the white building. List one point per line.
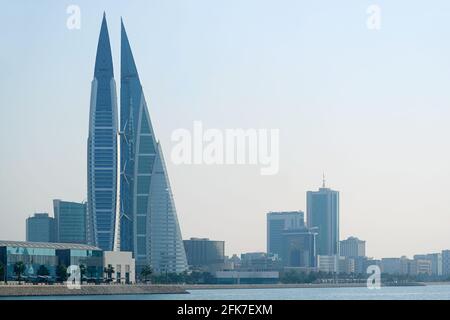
(328, 263)
(123, 265)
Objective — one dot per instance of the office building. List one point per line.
(421, 267)
(323, 214)
(40, 228)
(277, 222)
(204, 254)
(102, 149)
(299, 248)
(148, 218)
(328, 263)
(70, 222)
(122, 265)
(347, 265)
(38, 256)
(259, 261)
(446, 263)
(435, 260)
(391, 265)
(352, 247)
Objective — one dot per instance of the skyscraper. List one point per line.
(70, 222)
(148, 218)
(323, 213)
(102, 149)
(277, 222)
(41, 228)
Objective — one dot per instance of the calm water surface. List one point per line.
(439, 292)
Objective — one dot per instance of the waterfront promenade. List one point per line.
(57, 289)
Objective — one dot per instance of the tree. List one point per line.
(43, 271)
(19, 269)
(82, 272)
(61, 273)
(146, 272)
(109, 272)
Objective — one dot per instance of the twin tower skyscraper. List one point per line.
(130, 202)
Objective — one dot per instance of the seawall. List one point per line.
(56, 290)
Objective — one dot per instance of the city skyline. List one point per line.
(384, 149)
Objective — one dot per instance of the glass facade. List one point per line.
(70, 221)
(40, 228)
(148, 219)
(323, 214)
(277, 222)
(102, 149)
(35, 256)
(204, 252)
(299, 248)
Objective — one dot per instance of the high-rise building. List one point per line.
(277, 222)
(352, 247)
(148, 218)
(446, 263)
(40, 228)
(205, 254)
(323, 214)
(102, 149)
(70, 222)
(299, 248)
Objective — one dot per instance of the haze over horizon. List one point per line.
(368, 108)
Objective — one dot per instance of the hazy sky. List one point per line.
(369, 108)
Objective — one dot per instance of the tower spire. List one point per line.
(323, 180)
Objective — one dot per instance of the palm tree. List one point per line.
(146, 272)
(109, 272)
(19, 269)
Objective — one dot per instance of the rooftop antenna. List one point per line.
(323, 180)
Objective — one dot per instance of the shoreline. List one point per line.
(27, 290)
(62, 290)
(296, 285)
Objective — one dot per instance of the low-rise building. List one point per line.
(205, 255)
(328, 263)
(346, 265)
(259, 261)
(391, 265)
(41, 260)
(119, 266)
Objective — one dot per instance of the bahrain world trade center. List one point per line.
(130, 201)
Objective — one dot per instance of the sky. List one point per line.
(370, 108)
